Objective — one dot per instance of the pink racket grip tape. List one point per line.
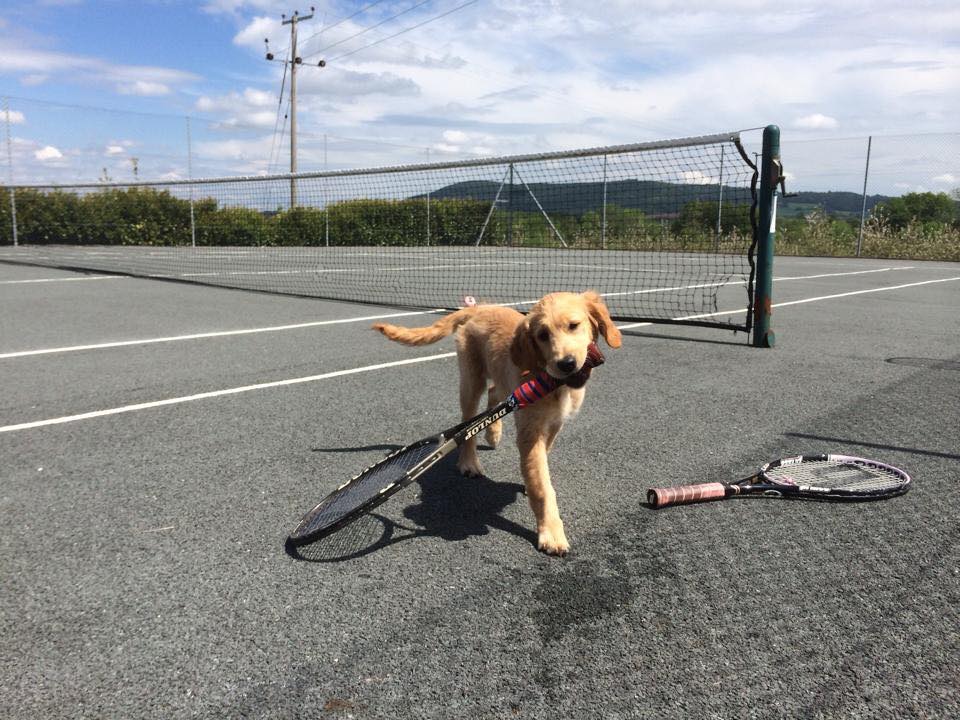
(534, 389)
(543, 384)
(661, 497)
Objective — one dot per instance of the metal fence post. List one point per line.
(716, 241)
(863, 206)
(603, 219)
(326, 200)
(428, 202)
(510, 209)
(193, 224)
(766, 232)
(13, 191)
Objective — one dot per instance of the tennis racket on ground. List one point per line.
(377, 483)
(824, 477)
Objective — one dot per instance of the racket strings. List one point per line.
(365, 487)
(835, 475)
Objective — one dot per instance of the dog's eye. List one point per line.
(574, 325)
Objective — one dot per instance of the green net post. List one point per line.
(763, 335)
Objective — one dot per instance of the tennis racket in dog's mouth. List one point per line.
(824, 477)
(378, 482)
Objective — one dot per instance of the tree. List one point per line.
(923, 208)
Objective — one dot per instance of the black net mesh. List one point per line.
(661, 230)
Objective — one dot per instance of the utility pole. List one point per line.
(295, 60)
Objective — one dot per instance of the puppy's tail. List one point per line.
(426, 335)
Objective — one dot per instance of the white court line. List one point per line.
(319, 323)
(218, 393)
(370, 368)
(319, 271)
(198, 336)
(844, 274)
(725, 283)
(800, 302)
(864, 292)
(66, 279)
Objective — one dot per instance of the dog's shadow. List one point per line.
(454, 507)
(442, 503)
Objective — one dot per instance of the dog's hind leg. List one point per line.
(472, 384)
(495, 432)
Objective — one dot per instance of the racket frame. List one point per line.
(763, 483)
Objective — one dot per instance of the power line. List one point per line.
(115, 111)
(276, 124)
(283, 131)
(406, 30)
(366, 30)
(328, 28)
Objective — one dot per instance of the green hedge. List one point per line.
(145, 216)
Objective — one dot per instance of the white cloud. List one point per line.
(48, 153)
(36, 65)
(345, 84)
(234, 6)
(245, 157)
(259, 28)
(454, 136)
(264, 119)
(14, 117)
(947, 179)
(114, 150)
(234, 102)
(816, 121)
(697, 177)
(250, 108)
(144, 88)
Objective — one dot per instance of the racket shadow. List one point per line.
(445, 505)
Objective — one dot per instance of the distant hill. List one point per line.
(837, 203)
(656, 199)
(652, 197)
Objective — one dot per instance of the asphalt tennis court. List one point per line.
(160, 439)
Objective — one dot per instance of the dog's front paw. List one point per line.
(470, 466)
(553, 541)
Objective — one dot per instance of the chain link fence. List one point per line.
(895, 196)
(872, 196)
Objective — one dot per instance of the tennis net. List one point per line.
(662, 230)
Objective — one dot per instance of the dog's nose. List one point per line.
(567, 364)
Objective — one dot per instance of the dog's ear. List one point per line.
(600, 316)
(523, 350)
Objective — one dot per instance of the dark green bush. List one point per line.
(232, 226)
(922, 225)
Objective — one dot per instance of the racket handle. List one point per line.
(534, 389)
(661, 497)
(544, 383)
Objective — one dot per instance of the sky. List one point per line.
(102, 89)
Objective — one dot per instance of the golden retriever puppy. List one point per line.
(495, 346)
